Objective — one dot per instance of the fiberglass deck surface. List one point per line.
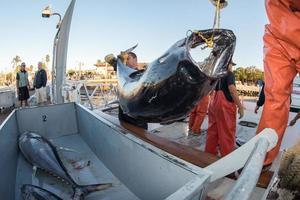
(178, 131)
(83, 166)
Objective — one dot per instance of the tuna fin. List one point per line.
(84, 190)
(34, 169)
(130, 49)
(66, 149)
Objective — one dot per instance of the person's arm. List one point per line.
(293, 121)
(28, 86)
(44, 76)
(17, 82)
(236, 100)
(261, 99)
(34, 81)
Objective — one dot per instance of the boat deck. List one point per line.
(190, 147)
(178, 136)
(178, 131)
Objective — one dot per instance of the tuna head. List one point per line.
(172, 84)
(41, 153)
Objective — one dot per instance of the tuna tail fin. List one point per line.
(83, 190)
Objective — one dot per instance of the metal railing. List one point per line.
(251, 172)
(250, 156)
(107, 94)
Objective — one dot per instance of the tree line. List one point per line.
(248, 75)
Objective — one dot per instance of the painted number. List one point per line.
(44, 117)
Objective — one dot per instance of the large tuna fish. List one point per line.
(172, 84)
(43, 155)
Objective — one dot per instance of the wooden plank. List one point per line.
(189, 154)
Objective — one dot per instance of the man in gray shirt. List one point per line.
(22, 85)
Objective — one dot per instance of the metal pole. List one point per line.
(88, 96)
(53, 82)
(58, 25)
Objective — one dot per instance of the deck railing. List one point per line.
(251, 172)
(107, 94)
(251, 157)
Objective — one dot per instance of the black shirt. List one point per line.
(223, 84)
(40, 79)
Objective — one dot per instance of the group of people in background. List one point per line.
(39, 84)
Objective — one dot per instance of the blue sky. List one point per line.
(100, 27)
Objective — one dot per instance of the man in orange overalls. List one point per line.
(281, 65)
(197, 116)
(222, 116)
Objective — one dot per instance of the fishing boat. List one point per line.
(101, 152)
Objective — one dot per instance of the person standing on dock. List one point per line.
(281, 65)
(222, 116)
(40, 82)
(197, 116)
(22, 85)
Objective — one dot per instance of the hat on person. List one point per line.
(233, 63)
(23, 64)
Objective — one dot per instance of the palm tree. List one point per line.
(47, 59)
(16, 60)
(240, 74)
(248, 74)
(9, 78)
(30, 68)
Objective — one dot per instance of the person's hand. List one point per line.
(292, 122)
(241, 112)
(256, 109)
(123, 56)
(110, 59)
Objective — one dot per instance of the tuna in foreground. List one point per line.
(173, 84)
(32, 192)
(42, 154)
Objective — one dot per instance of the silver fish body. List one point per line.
(41, 153)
